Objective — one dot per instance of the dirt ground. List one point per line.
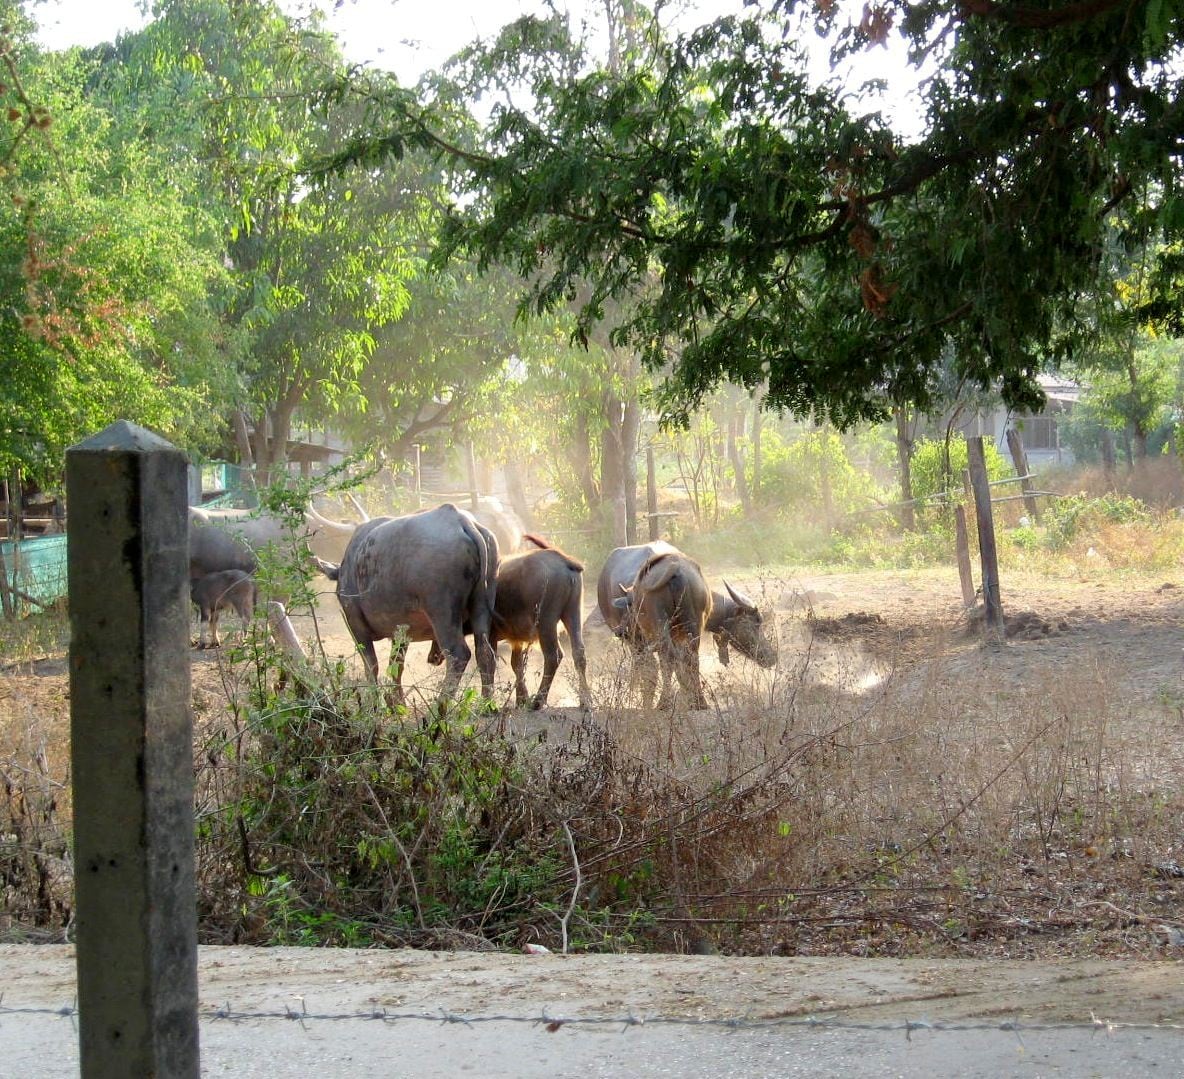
(863, 629)
(692, 987)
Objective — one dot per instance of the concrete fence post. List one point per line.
(132, 756)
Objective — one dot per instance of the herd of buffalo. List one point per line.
(437, 576)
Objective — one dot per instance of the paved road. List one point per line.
(39, 1047)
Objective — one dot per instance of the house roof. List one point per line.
(1059, 388)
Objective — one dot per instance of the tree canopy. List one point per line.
(755, 227)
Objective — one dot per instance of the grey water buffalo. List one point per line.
(536, 590)
(424, 577)
(656, 599)
(224, 590)
(230, 539)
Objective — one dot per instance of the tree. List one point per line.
(104, 279)
(1133, 386)
(240, 93)
(767, 232)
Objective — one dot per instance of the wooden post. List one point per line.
(474, 492)
(993, 605)
(651, 492)
(1015, 446)
(132, 756)
(962, 542)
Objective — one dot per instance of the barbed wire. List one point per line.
(631, 1020)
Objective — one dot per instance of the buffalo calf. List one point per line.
(216, 592)
(536, 591)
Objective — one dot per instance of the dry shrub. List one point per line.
(932, 813)
(36, 882)
(1158, 481)
(1156, 545)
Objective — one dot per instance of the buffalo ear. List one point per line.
(721, 646)
(739, 598)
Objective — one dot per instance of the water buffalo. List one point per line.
(215, 592)
(229, 539)
(431, 574)
(536, 590)
(656, 599)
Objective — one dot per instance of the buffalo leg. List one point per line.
(518, 666)
(214, 642)
(686, 667)
(575, 633)
(552, 657)
(369, 658)
(667, 665)
(645, 675)
(204, 627)
(394, 668)
(452, 645)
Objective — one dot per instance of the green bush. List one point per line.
(1069, 517)
(792, 475)
(929, 478)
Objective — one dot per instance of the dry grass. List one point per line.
(929, 813)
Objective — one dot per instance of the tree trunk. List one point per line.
(904, 457)
(828, 509)
(271, 451)
(630, 434)
(757, 423)
(471, 472)
(1139, 441)
(242, 438)
(581, 459)
(516, 492)
(612, 472)
(1109, 457)
(739, 470)
(260, 450)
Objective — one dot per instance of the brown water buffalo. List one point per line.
(656, 599)
(216, 592)
(430, 574)
(536, 590)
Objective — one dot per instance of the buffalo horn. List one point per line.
(333, 526)
(739, 598)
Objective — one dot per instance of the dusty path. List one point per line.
(315, 1010)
